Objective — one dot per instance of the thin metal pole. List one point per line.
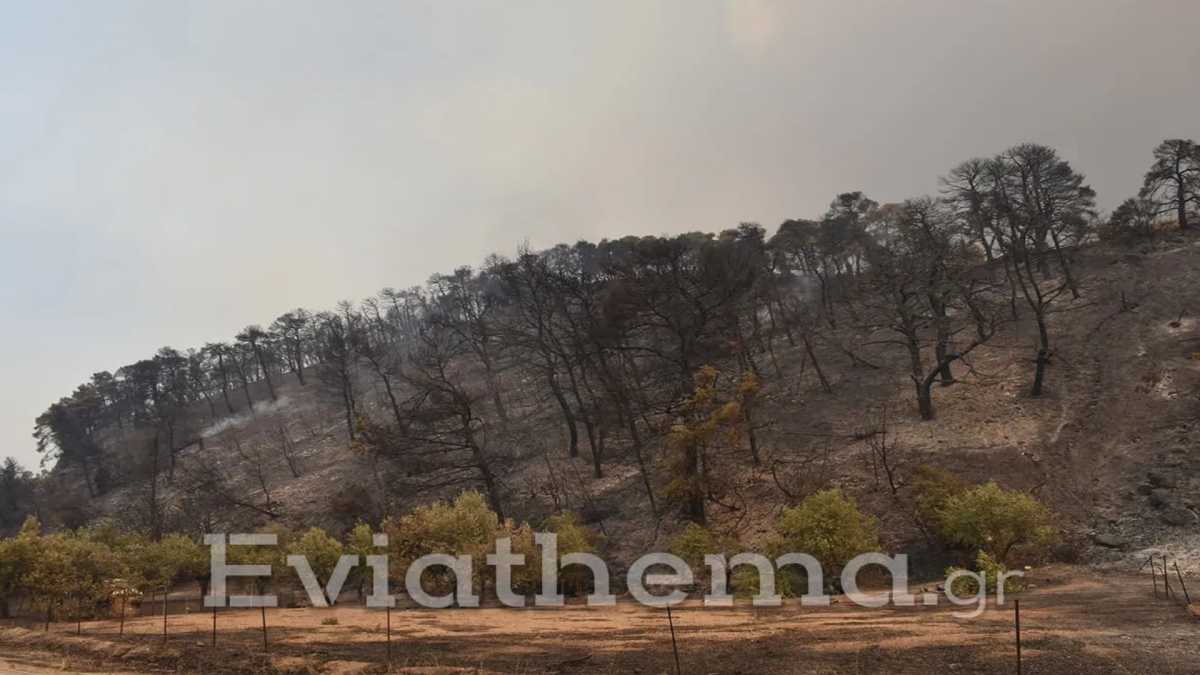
(122, 631)
(264, 627)
(214, 637)
(1166, 579)
(1154, 575)
(1017, 613)
(389, 637)
(165, 613)
(674, 646)
(1187, 598)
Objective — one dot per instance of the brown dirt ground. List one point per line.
(1073, 621)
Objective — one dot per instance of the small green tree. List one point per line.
(828, 526)
(46, 575)
(573, 537)
(151, 567)
(187, 559)
(712, 420)
(526, 578)
(360, 542)
(91, 565)
(994, 520)
(322, 552)
(931, 487)
(466, 526)
(695, 542)
(14, 562)
(991, 570)
(63, 567)
(274, 556)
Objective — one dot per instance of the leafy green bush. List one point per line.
(16, 557)
(573, 537)
(991, 570)
(828, 526)
(360, 542)
(263, 555)
(994, 520)
(321, 550)
(65, 567)
(467, 526)
(695, 542)
(932, 486)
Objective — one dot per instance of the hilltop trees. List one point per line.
(1043, 206)
(17, 495)
(1172, 184)
(336, 365)
(926, 292)
(291, 331)
(467, 305)
(968, 189)
(255, 338)
(67, 432)
(217, 352)
(443, 435)
(1132, 219)
(1030, 206)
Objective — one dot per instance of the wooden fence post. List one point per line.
(1187, 598)
(264, 628)
(1017, 615)
(674, 646)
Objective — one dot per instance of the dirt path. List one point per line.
(1071, 625)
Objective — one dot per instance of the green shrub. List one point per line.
(991, 570)
(572, 538)
(360, 542)
(65, 567)
(263, 555)
(466, 526)
(932, 486)
(697, 541)
(744, 582)
(828, 526)
(321, 550)
(16, 558)
(994, 520)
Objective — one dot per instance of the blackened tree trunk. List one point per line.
(262, 363)
(1043, 355)
(224, 381)
(808, 348)
(568, 414)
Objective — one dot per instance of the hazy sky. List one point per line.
(171, 171)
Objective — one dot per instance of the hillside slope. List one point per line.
(1113, 446)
